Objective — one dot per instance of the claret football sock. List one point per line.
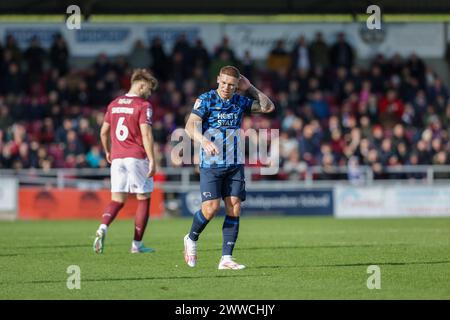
(230, 232)
(111, 212)
(198, 224)
(141, 219)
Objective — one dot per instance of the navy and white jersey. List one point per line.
(221, 123)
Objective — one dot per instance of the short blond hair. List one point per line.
(144, 75)
(230, 71)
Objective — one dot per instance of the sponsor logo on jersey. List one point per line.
(122, 110)
(125, 101)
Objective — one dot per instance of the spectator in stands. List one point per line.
(396, 112)
(355, 174)
(294, 167)
(34, 57)
(6, 157)
(436, 90)
(139, 56)
(319, 105)
(319, 52)
(59, 54)
(6, 120)
(391, 109)
(183, 48)
(309, 145)
(12, 47)
(12, 80)
(341, 53)
(73, 145)
(94, 157)
(225, 47)
(300, 55)
(279, 58)
(288, 143)
(179, 68)
(200, 55)
(160, 60)
(416, 68)
(248, 66)
(101, 66)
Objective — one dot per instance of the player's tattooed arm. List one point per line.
(262, 103)
(194, 131)
(104, 137)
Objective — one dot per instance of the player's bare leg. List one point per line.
(117, 201)
(140, 224)
(230, 232)
(201, 219)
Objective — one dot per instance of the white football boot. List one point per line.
(227, 263)
(99, 241)
(190, 251)
(140, 248)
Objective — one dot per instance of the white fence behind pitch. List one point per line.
(426, 194)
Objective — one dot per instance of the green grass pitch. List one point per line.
(286, 258)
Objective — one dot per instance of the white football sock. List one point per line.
(103, 227)
(226, 257)
(137, 244)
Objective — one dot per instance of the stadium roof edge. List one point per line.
(118, 7)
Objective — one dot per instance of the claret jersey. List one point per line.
(125, 114)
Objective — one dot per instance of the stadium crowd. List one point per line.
(330, 111)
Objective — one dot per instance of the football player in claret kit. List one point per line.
(215, 123)
(127, 139)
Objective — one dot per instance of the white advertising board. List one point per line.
(391, 201)
(8, 197)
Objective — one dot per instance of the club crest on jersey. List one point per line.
(197, 104)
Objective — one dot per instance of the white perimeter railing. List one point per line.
(187, 178)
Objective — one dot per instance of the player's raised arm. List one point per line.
(262, 103)
(194, 130)
(148, 142)
(104, 137)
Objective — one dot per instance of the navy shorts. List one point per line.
(222, 182)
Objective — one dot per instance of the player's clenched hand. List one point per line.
(108, 157)
(209, 147)
(244, 84)
(270, 108)
(151, 169)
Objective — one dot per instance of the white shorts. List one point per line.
(130, 175)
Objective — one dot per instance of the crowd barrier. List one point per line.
(340, 200)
